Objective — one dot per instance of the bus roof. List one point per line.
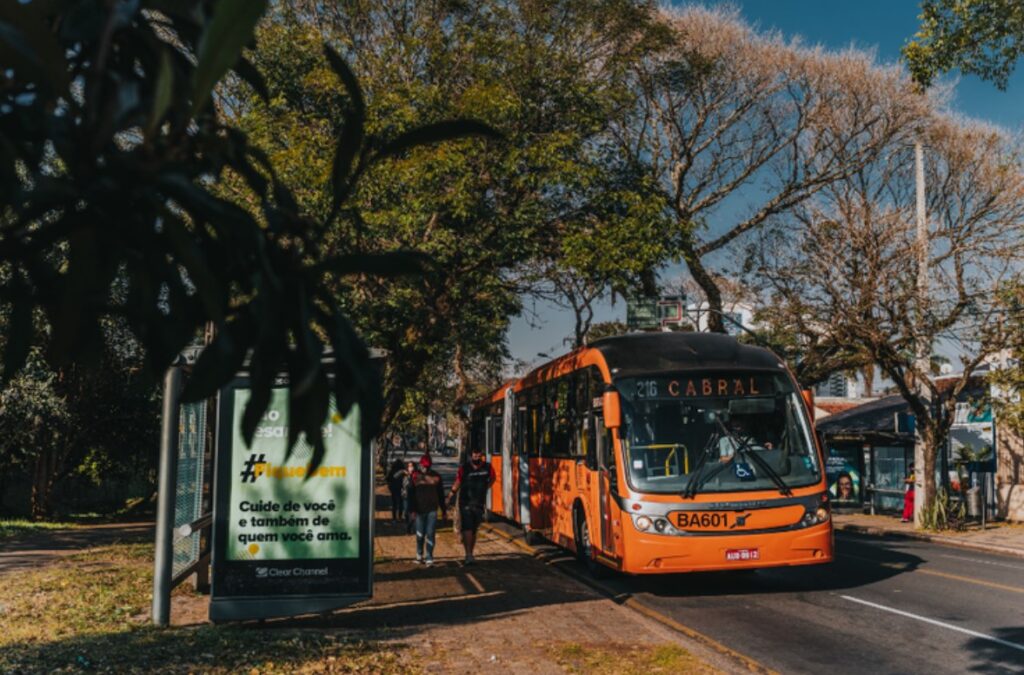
(645, 353)
(636, 354)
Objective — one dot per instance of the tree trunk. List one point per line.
(711, 291)
(869, 379)
(43, 473)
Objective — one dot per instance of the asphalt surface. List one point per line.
(886, 605)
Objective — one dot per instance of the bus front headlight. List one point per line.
(643, 523)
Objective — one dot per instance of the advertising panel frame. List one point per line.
(276, 588)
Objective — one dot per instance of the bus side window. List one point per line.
(580, 415)
(547, 419)
(534, 422)
(605, 450)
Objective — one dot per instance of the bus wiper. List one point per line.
(697, 477)
(744, 447)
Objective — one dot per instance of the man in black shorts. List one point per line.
(472, 481)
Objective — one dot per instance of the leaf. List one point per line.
(25, 39)
(190, 255)
(437, 133)
(248, 72)
(220, 360)
(352, 133)
(162, 94)
(228, 32)
(70, 317)
(19, 328)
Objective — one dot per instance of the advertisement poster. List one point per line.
(288, 538)
(844, 482)
(281, 509)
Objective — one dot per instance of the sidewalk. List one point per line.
(508, 610)
(1000, 537)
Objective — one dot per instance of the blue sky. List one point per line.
(882, 25)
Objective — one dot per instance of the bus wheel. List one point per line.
(583, 548)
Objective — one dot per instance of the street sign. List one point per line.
(642, 313)
(288, 538)
(649, 313)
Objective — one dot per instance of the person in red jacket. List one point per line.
(427, 499)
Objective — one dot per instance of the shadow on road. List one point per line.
(992, 657)
(855, 564)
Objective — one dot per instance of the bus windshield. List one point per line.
(716, 432)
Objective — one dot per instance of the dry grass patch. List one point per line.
(623, 659)
(89, 612)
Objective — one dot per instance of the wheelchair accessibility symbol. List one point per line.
(743, 471)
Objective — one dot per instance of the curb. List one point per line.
(628, 600)
(873, 531)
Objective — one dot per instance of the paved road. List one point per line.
(884, 606)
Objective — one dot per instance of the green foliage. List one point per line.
(980, 37)
(548, 75)
(945, 513)
(111, 151)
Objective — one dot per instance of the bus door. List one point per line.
(493, 456)
(601, 459)
(503, 473)
(520, 479)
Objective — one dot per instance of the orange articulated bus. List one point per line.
(660, 453)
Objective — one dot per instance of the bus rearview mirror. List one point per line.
(612, 410)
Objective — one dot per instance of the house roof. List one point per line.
(875, 417)
(833, 407)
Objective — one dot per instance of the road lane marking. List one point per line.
(941, 624)
(979, 582)
(904, 567)
(983, 562)
(476, 584)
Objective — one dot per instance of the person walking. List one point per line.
(908, 496)
(473, 480)
(427, 498)
(410, 514)
(394, 479)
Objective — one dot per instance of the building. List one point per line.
(863, 444)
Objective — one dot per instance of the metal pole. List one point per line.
(923, 349)
(164, 556)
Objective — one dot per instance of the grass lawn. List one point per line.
(88, 612)
(13, 527)
(626, 659)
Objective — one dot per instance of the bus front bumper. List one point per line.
(650, 553)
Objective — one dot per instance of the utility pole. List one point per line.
(923, 347)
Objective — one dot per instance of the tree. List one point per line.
(737, 127)
(546, 74)
(111, 151)
(980, 37)
(837, 267)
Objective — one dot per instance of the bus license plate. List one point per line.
(742, 554)
(701, 520)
